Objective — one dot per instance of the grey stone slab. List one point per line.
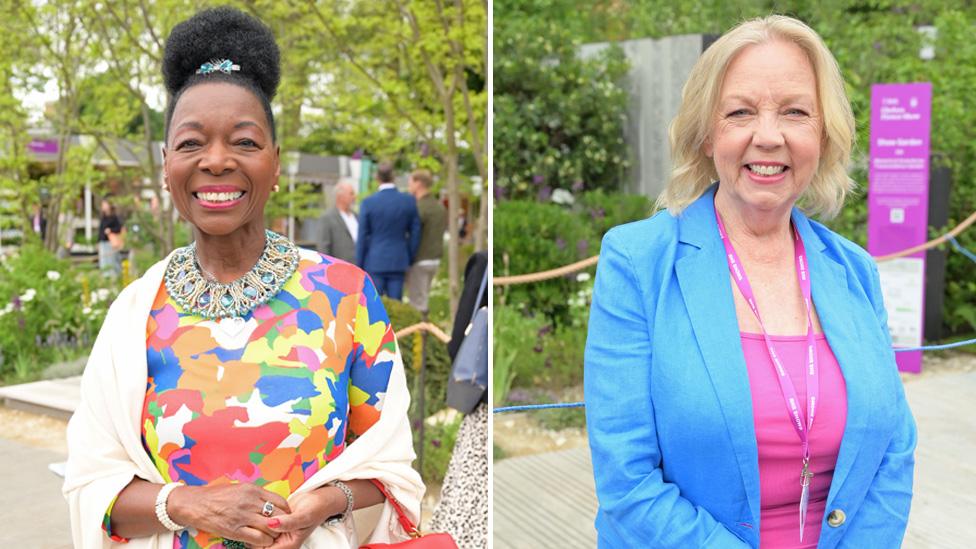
(57, 397)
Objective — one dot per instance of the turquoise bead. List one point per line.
(282, 248)
(226, 300)
(204, 299)
(267, 278)
(250, 292)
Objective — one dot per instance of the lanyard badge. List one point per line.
(801, 427)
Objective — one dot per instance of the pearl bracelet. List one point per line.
(161, 513)
(336, 519)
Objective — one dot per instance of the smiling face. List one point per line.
(220, 161)
(765, 138)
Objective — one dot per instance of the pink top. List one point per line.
(780, 452)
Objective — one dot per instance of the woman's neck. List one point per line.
(229, 257)
(762, 236)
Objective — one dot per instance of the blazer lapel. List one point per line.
(833, 301)
(705, 287)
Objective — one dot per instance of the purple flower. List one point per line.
(545, 193)
(21, 323)
(518, 395)
(537, 179)
(560, 243)
(597, 214)
(577, 186)
(537, 348)
(545, 330)
(16, 303)
(436, 443)
(358, 155)
(424, 150)
(499, 192)
(582, 246)
(416, 424)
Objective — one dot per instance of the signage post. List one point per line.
(898, 200)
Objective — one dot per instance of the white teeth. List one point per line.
(220, 197)
(765, 170)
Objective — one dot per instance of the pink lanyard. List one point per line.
(785, 383)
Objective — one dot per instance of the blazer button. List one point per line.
(836, 518)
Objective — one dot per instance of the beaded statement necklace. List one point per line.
(210, 299)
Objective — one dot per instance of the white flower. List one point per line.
(28, 295)
(562, 196)
(100, 294)
(583, 277)
(53, 275)
(86, 311)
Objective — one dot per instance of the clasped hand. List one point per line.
(233, 512)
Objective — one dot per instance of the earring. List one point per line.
(274, 187)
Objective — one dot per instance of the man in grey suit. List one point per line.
(340, 225)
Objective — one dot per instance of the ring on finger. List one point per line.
(268, 509)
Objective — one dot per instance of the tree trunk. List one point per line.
(453, 206)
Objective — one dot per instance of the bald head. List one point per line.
(345, 195)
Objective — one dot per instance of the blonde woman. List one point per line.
(741, 387)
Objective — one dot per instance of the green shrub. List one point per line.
(439, 439)
(604, 210)
(439, 445)
(438, 362)
(44, 316)
(517, 339)
(531, 237)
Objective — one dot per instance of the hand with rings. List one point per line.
(238, 512)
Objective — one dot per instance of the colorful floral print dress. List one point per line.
(271, 398)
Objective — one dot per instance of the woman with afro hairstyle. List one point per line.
(243, 392)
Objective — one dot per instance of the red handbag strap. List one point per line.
(404, 521)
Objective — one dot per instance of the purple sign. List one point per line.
(898, 205)
(49, 146)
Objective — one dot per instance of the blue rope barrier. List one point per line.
(938, 347)
(526, 407)
(959, 248)
(538, 407)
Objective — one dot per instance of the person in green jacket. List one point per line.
(433, 223)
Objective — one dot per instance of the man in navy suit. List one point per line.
(389, 234)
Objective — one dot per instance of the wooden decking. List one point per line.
(547, 500)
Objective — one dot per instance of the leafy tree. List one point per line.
(400, 88)
(559, 118)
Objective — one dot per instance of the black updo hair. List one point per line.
(222, 33)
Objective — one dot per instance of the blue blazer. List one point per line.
(668, 403)
(389, 232)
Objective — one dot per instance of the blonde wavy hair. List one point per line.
(692, 172)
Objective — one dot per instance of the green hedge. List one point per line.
(532, 236)
(439, 439)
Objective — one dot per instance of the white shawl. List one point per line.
(105, 449)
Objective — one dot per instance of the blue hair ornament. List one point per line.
(218, 65)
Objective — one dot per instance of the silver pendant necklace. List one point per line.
(205, 296)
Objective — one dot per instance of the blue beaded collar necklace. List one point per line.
(210, 299)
